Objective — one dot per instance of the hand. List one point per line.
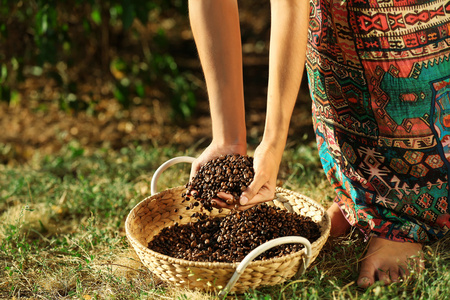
(266, 163)
(213, 151)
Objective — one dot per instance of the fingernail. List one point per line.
(243, 200)
(364, 282)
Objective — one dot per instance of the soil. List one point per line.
(37, 123)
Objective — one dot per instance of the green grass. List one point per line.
(62, 231)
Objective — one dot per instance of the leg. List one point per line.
(387, 261)
(339, 224)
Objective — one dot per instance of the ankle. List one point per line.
(339, 224)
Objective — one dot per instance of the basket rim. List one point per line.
(204, 264)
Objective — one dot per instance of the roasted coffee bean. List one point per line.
(230, 238)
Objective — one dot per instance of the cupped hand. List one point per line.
(211, 152)
(266, 163)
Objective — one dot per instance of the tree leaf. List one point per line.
(96, 16)
(128, 15)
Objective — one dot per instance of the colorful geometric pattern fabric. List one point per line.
(379, 76)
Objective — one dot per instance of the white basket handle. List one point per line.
(164, 166)
(264, 247)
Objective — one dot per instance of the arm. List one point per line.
(215, 26)
(288, 40)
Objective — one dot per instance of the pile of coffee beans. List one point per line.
(231, 174)
(231, 238)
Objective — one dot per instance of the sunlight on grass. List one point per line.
(62, 232)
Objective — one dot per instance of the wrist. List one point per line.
(229, 132)
(231, 144)
(274, 139)
(274, 146)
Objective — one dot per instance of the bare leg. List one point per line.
(388, 261)
(339, 224)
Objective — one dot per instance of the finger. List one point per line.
(218, 203)
(228, 198)
(259, 198)
(244, 207)
(223, 200)
(196, 165)
(252, 190)
(194, 169)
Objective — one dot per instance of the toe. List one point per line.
(403, 272)
(386, 261)
(366, 277)
(394, 275)
(364, 282)
(384, 276)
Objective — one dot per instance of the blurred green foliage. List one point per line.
(72, 42)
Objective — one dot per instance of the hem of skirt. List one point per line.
(368, 234)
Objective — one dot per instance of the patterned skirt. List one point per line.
(379, 76)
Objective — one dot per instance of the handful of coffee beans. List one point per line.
(230, 173)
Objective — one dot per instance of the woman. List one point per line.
(379, 77)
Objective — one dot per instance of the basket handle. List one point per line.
(264, 247)
(164, 166)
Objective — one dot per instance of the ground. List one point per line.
(29, 126)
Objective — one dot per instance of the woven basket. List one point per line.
(163, 209)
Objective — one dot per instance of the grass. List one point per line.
(62, 231)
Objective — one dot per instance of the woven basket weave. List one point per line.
(154, 213)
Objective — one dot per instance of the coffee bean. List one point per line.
(230, 238)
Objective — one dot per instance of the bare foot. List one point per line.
(339, 224)
(389, 261)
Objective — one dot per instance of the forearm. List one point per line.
(215, 26)
(290, 19)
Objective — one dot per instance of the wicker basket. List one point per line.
(154, 213)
